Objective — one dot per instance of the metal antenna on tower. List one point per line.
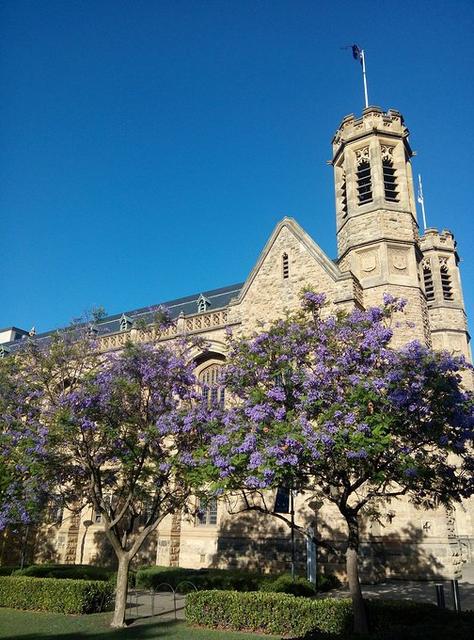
(421, 200)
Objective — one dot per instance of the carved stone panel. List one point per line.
(369, 263)
(398, 261)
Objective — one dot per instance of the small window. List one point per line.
(282, 500)
(55, 510)
(364, 182)
(428, 282)
(207, 512)
(285, 266)
(446, 282)
(389, 180)
(96, 517)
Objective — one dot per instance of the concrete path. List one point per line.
(142, 604)
(421, 591)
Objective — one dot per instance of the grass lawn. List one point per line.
(32, 625)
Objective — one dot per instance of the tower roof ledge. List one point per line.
(373, 118)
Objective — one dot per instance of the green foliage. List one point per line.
(7, 570)
(228, 579)
(262, 612)
(286, 584)
(152, 577)
(59, 596)
(288, 615)
(66, 571)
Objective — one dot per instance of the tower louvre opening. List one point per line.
(389, 180)
(428, 282)
(446, 283)
(364, 182)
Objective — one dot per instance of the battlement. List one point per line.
(373, 118)
(432, 239)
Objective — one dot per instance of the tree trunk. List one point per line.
(352, 567)
(118, 619)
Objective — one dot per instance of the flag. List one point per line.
(357, 53)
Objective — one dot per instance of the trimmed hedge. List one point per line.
(262, 612)
(62, 571)
(72, 572)
(285, 614)
(56, 595)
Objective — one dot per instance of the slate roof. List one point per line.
(218, 298)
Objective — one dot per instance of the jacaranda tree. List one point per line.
(22, 440)
(121, 430)
(325, 406)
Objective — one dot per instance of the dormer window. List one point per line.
(126, 323)
(92, 330)
(285, 265)
(203, 303)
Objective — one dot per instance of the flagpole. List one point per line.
(421, 200)
(366, 94)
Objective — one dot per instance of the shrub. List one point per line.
(224, 579)
(58, 596)
(265, 612)
(7, 570)
(63, 571)
(285, 614)
(153, 577)
(286, 584)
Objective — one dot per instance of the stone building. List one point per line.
(380, 249)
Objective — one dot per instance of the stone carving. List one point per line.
(368, 261)
(399, 260)
(387, 152)
(362, 155)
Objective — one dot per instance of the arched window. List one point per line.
(285, 265)
(213, 392)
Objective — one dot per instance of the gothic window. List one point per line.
(282, 500)
(363, 176)
(446, 283)
(428, 281)
(213, 392)
(207, 512)
(285, 266)
(389, 181)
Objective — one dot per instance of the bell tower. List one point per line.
(377, 229)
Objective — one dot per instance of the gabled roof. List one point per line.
(318, 254)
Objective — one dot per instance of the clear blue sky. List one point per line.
(148, 148)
